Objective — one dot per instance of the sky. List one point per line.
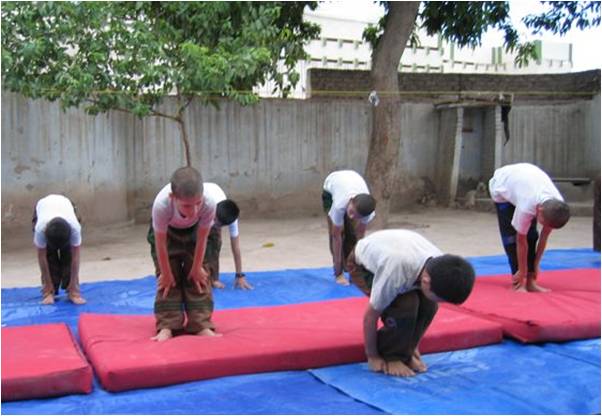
(587, 53)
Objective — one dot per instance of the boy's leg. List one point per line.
(150, 237)
(505, 211)
(212, 252)
(168, 310)
(396, 339)
(199, 306)
(532, 237)
(349, 238)
(48, 288)
(326, 205)
(55, 270)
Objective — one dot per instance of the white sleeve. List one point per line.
(233, 229)
(39, 238)
(366, 220)
(76, 236)
(337, 216)
(384, 290)
(521, 221)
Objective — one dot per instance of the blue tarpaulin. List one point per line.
(304, 392)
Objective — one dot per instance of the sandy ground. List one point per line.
(121, 252)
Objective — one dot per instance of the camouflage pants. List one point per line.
(214, 247)
(184, 308)
(405, 320)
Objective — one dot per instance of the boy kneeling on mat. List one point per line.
(405, 276)
(181, 219)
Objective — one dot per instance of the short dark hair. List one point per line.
(364, 204)
(452, 277)
(227, 211)
(186, 182)
(556, 213)
(58, 233)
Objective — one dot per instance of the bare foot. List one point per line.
(534, 287)
(521, 288)
(48, 300)
(163, 335)
(417, 364)
(399, 369)
(207, 332)
(341, 280)
(77, 299)
(217, 284)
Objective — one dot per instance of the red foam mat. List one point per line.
(42, 361)
(260, 339)
(570, 311)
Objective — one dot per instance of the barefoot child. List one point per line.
(349, 207)
(525, 195)
(181, 219)
(226, 214)
(57, 237)
(405, 276)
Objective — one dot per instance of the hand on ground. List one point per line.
(342, 280)
(241, 283)
(217, 284)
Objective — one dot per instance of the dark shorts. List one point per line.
(505, 212)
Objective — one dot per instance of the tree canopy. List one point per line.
(130, 55)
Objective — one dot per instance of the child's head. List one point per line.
(554, 213)
(187, 191)
(450, 278)
(58, 233)
(226, 212)
(361, 206)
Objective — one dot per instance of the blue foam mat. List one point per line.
(507, 378)
(269, 393)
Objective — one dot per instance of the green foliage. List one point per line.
(129, 55)
(465, 23)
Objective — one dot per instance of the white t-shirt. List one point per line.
(525, 186)
(396, 257)
(165, 214)
(213, 192)
(344, 185)
(47, 209)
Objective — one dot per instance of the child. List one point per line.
(226, 213)
(57, 237)
(349, 207)
(525, 195)
(405, 276)
(181, 219)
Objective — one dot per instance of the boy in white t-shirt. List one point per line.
(525, 195)
(405, 276)
(226, 214)
(181, 220)
(349, 208)
(57, 237)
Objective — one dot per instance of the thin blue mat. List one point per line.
(507, 378)
(269, 393)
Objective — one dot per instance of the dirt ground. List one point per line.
(121, 251)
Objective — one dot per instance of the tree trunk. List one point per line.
(383, 152)
(182, 125)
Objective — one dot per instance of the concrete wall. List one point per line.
(271, 157)
(46, 150)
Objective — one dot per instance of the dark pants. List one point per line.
(59, 265)
(405, 320)
(505, 212)
(349, 229)
(184, 308)
(212, 251)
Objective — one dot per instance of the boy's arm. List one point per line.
(47, 287)
(522, 246)
(74, 292)
(375, 361)
(541, 247)
(240, 280)
(360, 230)
(166, 280)
(198, 275)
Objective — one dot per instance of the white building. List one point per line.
(341, 46)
